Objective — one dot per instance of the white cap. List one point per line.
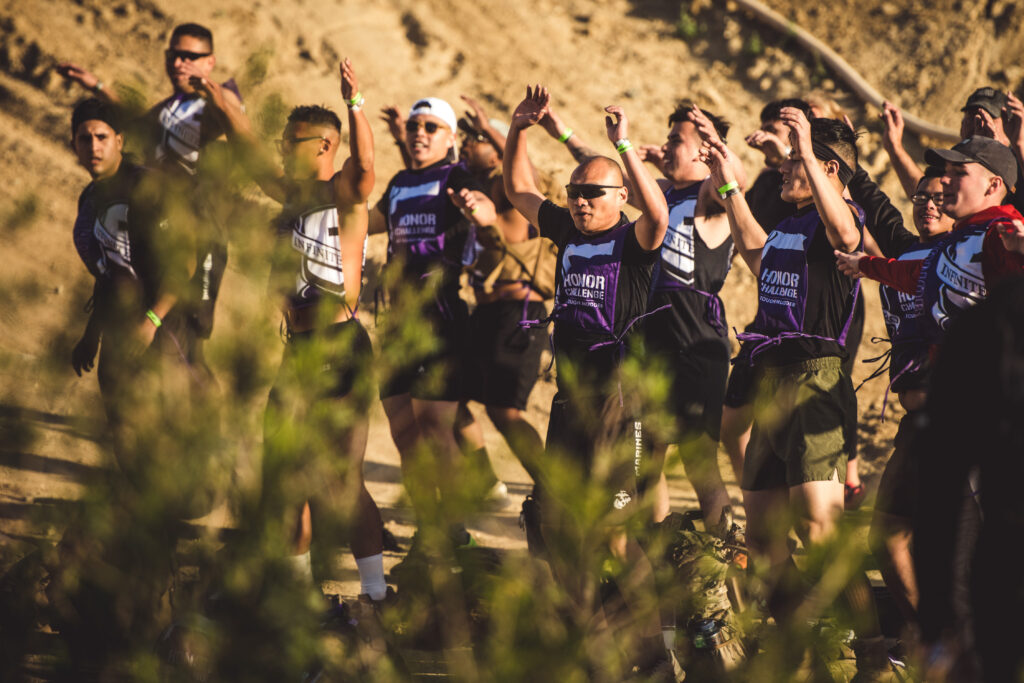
(435, 107)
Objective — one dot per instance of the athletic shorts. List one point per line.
(606, 445)
(897, 489)
(325, 363)
(739, 390)
(503, 362)
(437, 376)
(801, 426)
(698, 377)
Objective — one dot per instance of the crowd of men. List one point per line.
(617, 294)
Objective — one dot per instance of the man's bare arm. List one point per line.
(517, 171)
(840, 226)
(396, 126)
(557, 129)
(85, 78)
(354, 182)
(908, 172)
(261, 165)
(747, 234)
(653, 221)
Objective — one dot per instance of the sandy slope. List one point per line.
(590, 53)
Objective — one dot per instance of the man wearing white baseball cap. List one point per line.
(430, 211)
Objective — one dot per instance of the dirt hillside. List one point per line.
(644, 55)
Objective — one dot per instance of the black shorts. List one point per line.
(739, 391)
(438, 375)
(698, 381)
(328, 363)
(604, 443)
(504, 359)
(897, 490)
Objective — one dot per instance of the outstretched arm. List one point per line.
(648, 197)
(517, 172)
(396, 126)
(840, 225)
(1013, 124)
(263, 167)
(747, 234)
(85, 78)
(892, 141)
(557, 129)
(354, 182)
(478, 118)
(706, 130)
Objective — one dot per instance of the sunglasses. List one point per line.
(429, 126)
(184, 55)
(587, 190)
(288, 143)
(922, 198)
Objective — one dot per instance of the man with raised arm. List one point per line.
(318, 265)
(174, 135)
(602, 283)
(796, 461)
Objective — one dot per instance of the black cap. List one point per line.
(995, 156)
(987, 98)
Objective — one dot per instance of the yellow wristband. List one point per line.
(154, 318)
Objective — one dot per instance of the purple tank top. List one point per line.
(417, 209)
(588, 280)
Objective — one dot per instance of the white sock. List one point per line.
(371, 576)
(302, 565)
(668, 634)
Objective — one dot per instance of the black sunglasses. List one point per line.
(921, 198)
(587, 190)
(429, 126)
(184, 55)
(288, 143)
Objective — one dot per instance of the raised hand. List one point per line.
(985, 125)
(892, 118)
(532, 109)
(616, 124)
(705, 128)
(477, 116)
(774, 148)
(719, 159)
(651, 153)
(465, 200)
(1013, 120)
(396, 122)
(349, 82)
(76, 74)
(849, 264)
(211, 90)
(799, 131)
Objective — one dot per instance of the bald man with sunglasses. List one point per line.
(595, 434)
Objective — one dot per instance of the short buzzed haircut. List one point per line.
(933, 171)
(316, 115)
(773, 110)
(838, 137)
(682, 111)
(193, 31)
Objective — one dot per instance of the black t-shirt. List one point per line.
(828, 306)
(881, 218)
(765, 199)
(452, 222)
(633, 288)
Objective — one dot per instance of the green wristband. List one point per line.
(355, 99)
(623, 146)
(728, 187)
(154, 318)
(564, 137)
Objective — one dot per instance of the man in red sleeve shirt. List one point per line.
(985, 247)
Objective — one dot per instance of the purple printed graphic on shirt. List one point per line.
(588, 278)
(417, 204)
(782, 285)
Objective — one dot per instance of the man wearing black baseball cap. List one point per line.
(984, 248)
